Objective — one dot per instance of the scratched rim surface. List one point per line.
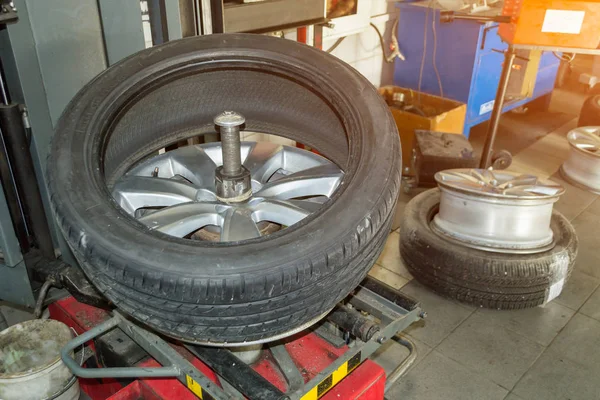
(174, 192)
(498, 211)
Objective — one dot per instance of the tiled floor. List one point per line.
(549, 352)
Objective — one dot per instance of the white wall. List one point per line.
(363, 51)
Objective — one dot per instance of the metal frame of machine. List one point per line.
(394, 311)
(42, 71)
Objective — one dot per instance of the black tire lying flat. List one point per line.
(222, 293)
(486, 279)
(590, 112)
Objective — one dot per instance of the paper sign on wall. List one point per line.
(563, 21)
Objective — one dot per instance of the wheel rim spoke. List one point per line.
(310, 205)
(497, 183)
(182, 219)
(519, 181)
(191, 162)
(533, 189)
(238, 225)
(279, 211)
(136, 192)
(317, 181)
(263, 160)
(586, 143)
(174, 193)
(586, 139)
(195, 165)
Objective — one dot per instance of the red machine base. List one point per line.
(310, 353)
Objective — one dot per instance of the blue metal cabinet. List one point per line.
(469, 61)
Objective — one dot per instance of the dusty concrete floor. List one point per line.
(549, 352)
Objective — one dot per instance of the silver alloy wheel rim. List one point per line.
(582, 167)
(174, 192)
(498, 211)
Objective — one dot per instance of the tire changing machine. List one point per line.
(327, 361)
(306, 367)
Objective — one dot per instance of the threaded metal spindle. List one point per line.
(230, 122)
(232, 159)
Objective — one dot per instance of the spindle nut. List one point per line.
(232, 189)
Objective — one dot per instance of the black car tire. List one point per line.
(595, 90)
(226, 293)
(590, 112)
(481, 278)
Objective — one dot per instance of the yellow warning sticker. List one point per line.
(340, 373)
(194, 386)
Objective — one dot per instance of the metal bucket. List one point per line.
(30, 363)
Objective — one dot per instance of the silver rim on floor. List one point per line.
(582, 168)
(175, 193)
(497, 211)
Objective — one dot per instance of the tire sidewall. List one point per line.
(590, 111)
(92, 222)
(419, 241)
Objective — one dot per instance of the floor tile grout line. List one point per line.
(455, 328)
(510, 392)
(555, 162)
(560, 128)
(531, 147)
(558, 333)
(585, 315)
(545, 350)
(475, 372)
(548, 141)
(417, 362)
(532, 364)
(586, 300)
(508, 328)
(578, 310)
(517, 333)
(396, 273)
(581, 212)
